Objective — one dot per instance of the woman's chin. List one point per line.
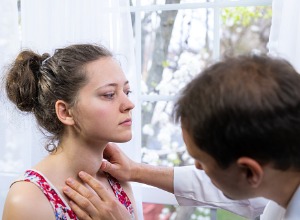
(123, 139)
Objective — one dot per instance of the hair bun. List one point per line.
(22, 80)
(45, 57)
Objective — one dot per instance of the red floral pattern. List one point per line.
(120, 194)
(61, 210)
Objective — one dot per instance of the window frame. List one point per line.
(152, 194)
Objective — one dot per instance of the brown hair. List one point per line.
(245, 106)
(35, 82)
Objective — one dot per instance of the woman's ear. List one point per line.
(64, 113)
(253, 170)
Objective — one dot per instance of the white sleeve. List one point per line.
(193, 187)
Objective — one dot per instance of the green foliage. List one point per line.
(200, 212)
(245, 29)
(245, 16)
(165, 64)
(175, 161)
(225, 215)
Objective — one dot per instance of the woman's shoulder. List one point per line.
(26, 201)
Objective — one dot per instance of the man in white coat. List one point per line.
(240, 121)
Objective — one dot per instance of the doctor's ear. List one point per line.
(64, 113)
(253, 171)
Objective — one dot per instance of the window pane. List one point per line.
(171, 212)
(162, 143)
(165, 2)
(168, 212)
(245, 29)
(176, 45)
(225, 215)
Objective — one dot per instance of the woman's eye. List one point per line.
(109, 95)
(128, 92)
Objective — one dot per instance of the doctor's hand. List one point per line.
(118, 164)
(89, 205)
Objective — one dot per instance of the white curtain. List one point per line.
(13, 153)
(50, 24)
(284, 38)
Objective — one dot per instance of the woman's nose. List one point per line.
(127, 104)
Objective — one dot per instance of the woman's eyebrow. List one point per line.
(112, 84)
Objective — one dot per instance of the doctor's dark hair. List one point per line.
(35, 82)
(245, 106)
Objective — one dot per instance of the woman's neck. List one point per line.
(81, 156)
(71, 157)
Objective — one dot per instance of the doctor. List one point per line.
(240, 121)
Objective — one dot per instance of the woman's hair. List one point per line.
(35, 82)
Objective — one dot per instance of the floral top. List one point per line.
(61, 208)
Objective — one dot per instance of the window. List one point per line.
(175, 40)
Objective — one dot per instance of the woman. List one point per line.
(80, 97)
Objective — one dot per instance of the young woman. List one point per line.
(80, 97)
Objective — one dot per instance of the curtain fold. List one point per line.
(11, 158)
(284, 38)
(51, 24)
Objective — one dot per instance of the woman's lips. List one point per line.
(127, 122)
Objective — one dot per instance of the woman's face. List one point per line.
(103, 110)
